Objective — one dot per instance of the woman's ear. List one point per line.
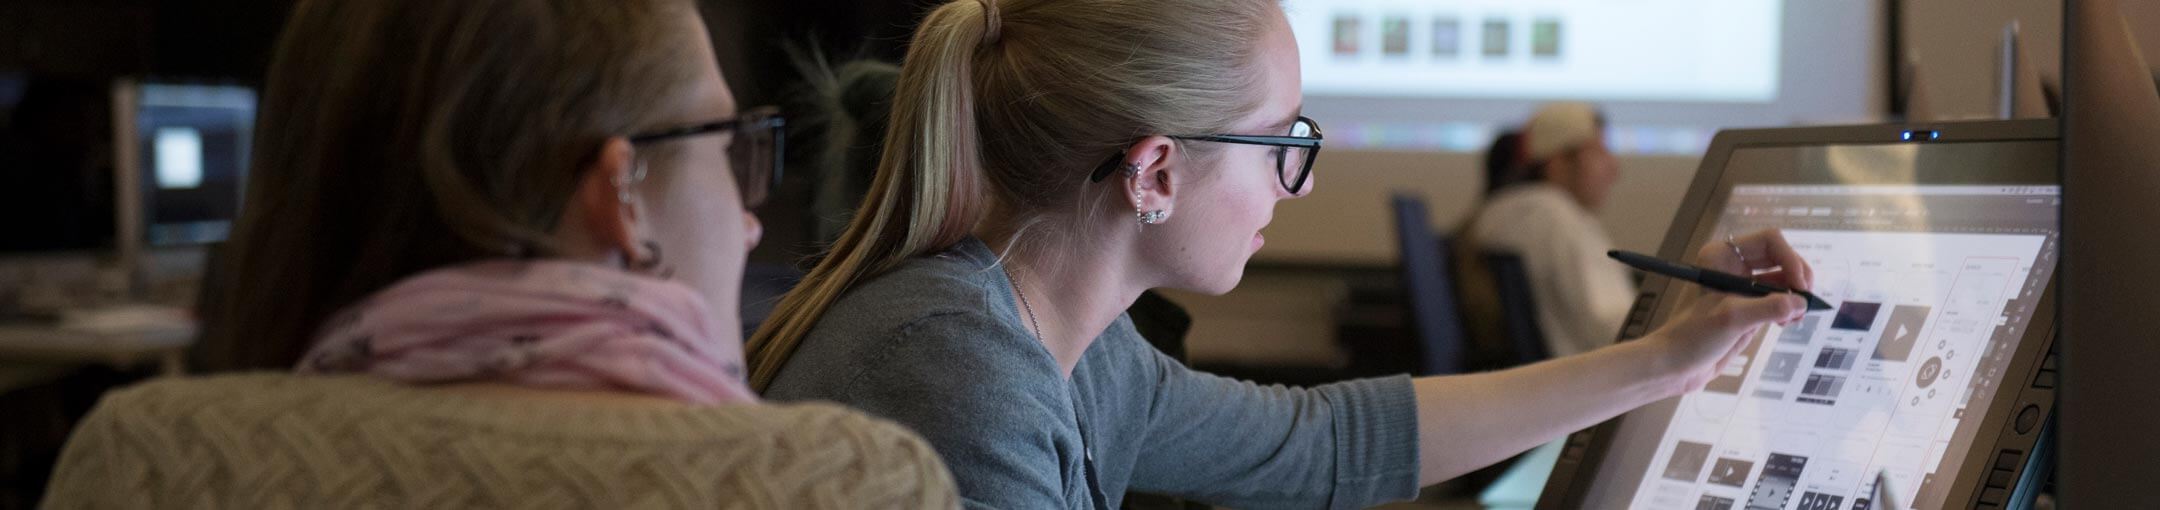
(1149, 175)
(604, 209)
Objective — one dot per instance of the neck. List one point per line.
(1568, 187)
(1074, 298)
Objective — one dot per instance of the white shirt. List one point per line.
(1582, 296)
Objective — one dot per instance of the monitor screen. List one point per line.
(193, 143)
(1935, 258)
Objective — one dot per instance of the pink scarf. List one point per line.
(544, 324)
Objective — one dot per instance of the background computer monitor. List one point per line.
(190, 145)
(2111, 193)
(1936, 245)
(81, 159)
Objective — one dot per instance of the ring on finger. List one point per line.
(1736, 251)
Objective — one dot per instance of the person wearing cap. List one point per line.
(1549, 218)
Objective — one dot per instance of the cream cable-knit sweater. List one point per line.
(287, 441)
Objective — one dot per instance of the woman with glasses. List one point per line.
(490, 258)
(436, 200)
(1050, 160)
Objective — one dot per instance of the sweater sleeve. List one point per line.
(1229, 442)
(1582, 296)
(1586, 296)
(995, 432)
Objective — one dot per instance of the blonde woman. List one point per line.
(1048, 161)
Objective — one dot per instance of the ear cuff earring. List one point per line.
(1155, 217)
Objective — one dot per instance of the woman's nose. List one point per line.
(1311, 180)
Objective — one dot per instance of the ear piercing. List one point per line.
(1154, 217)
(625, 181)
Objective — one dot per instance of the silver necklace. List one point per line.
(1094, 488)
(1015, 277)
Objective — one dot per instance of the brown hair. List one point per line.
(1064, 84)
(398, 136)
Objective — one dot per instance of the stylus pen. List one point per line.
(1882, 497)
(1713, 279)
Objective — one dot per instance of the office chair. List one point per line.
(1525, 339)
(1429, 288)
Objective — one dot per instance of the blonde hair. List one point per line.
(399, 136)
(1062, 85)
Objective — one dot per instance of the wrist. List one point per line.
(1666, 371)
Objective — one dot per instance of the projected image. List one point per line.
(1349, 31)
(1496, 38)
(1542, 49)
(1395, 36)
(1447, 37)
(1545, 38)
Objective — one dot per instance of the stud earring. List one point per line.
(1154, 217)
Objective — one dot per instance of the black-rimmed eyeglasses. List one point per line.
(1294, 153)
(755, 153)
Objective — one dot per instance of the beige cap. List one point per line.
(1558, 127)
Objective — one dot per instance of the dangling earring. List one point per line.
(1146, 218)
(624, 182)
(651, 263)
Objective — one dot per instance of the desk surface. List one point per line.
(19, 375)
(46, 343)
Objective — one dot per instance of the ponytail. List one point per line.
(1069, 82)
(928, 193)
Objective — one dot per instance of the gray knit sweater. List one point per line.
(938, 345)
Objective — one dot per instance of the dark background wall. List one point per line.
(230, 41)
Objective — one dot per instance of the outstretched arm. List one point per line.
(1469, 421)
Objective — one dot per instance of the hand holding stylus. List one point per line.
(1707, 328)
